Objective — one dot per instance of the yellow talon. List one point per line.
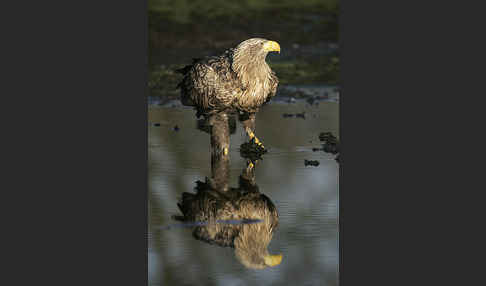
(252, 135)
(225, 151)
(250, 166)
(258, 142)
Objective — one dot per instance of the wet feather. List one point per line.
(238, 80)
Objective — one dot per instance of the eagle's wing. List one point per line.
(209, 84)
(273, 87)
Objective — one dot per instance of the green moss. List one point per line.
(184, 11)
(323, 70)
(209, 24)
(163, 80)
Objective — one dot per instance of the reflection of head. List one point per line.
(249, 240)
(251, 246)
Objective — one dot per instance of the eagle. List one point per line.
(215, 202)
(245, 203)
(239, 80)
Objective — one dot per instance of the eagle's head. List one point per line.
(256, 48)
(249, 59)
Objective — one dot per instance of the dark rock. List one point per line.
(311, 100)
(311, 162)
(157, 124)
(176, 128)
(301, 115)
(325, 136)
(330, 148)
(331, 144)
(299, 94)
(252, 151)
(287, 115)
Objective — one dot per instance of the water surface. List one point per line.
(306, 197)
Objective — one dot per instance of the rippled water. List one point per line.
(306, 197)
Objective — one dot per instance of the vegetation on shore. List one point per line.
(163, 79)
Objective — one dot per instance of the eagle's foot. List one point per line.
(258, 142)
(252, 136)
(225, 151)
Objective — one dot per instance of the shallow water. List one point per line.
(306, 197)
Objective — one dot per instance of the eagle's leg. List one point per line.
(247, 177)
(250, 166)
(252, 135)
(220, 137)
(249, 125)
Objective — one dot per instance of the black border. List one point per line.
(405, 84)
(76, 139)
(76, 159)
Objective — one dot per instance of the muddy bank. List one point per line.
(163, 79)
(287, 94)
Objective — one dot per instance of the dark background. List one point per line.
(75, 76)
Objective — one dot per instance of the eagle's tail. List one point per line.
(186, 69)
(185, 94)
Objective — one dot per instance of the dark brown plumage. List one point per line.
(237, 80)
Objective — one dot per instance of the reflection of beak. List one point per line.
(273, 260)
(271, 46)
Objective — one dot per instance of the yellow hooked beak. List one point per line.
(273, 260)
(271, 46)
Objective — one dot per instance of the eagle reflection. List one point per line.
(242, 217)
